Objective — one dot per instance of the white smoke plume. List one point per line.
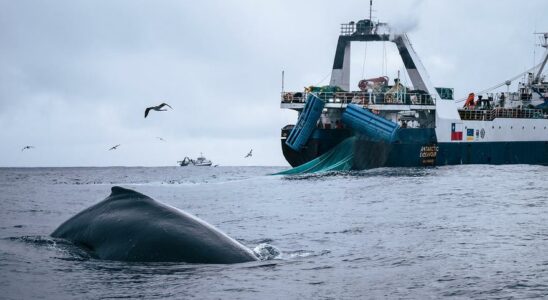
(405, 18)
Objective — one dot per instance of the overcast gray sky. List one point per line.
(75, 76)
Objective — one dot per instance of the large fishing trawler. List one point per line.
(385, 124)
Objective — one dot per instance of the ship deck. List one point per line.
(377, 101)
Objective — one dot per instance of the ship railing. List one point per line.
(508, 96)
(362, 98)
(490, 115)
(348, 28)
(362, 27)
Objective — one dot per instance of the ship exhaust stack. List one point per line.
(340, 76)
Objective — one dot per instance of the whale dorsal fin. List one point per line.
(117, 191)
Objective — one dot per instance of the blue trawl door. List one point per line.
(375, 127)
(306, 123)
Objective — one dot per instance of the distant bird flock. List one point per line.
(147, 111)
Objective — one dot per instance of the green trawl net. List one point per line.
(337, 159)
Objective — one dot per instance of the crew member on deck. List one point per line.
(470, 101)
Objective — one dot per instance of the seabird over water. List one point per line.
(114, 148)
(157, 108)
(161, 139)
(249, 154)
(26, 147)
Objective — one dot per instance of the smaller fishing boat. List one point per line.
(201, 161)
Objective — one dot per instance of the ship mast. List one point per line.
(371, 10)
(543, 64)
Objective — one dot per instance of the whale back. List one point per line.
(130, 226)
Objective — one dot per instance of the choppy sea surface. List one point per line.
(458, 232)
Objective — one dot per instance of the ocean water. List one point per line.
(425, 233)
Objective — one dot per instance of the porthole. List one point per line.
(523, 127)
(499, 127)
(492, 127)
(511, 127)
(534, 127)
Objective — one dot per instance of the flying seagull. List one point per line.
(161, 139)
(157, 108)
(249, 154)
(26, 147)
(114, 148)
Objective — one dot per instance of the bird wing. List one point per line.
(147, 110)
(165, 104)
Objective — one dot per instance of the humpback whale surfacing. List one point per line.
(130, 226)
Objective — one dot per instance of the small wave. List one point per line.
(73, 252)
(354, 230)
(378, 172)
(267, 252)
(318, 268)
(446, 278)
(316, 176)
(353, 260)
(39, 240)
(306, 253)
(258, 241)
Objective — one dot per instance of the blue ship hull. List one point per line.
(418, 147)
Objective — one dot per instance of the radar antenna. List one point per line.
(371, 10)
(544, 35)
